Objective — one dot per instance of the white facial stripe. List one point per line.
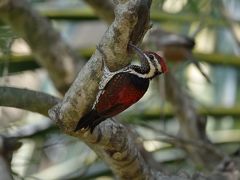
(159, 67)
(152, 68)
(151, 72)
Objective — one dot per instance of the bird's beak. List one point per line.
(139, 52)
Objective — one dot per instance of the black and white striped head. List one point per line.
(152, 64)
(156, 63)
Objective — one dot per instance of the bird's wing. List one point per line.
(123, 90)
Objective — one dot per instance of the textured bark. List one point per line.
(113, 143)
(50, 51)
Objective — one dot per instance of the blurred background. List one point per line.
(207, 33)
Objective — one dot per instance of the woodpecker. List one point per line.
(120, 89)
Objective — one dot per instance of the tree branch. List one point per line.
(50, 51)
(27, 100)
(110, 140)
(114, 52)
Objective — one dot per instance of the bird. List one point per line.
(175, 47)
(120, 89)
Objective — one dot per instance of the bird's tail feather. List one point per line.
(90, 120)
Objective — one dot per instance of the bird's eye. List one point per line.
(151, 57)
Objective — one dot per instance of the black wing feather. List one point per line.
(88, 121)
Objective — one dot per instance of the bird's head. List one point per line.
(157, 60)
(152, 64)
